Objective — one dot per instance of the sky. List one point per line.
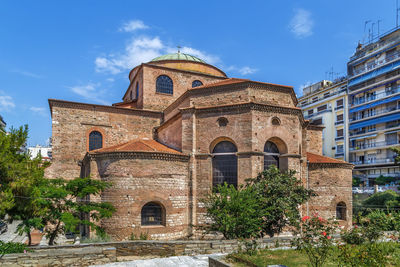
(82, 51)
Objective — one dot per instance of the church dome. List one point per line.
(178, 56)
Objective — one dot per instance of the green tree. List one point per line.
(19, 178)
(397, 151)
(66, 201)
(234, 212)
(388, 200)
(262, 206)
(279, 194)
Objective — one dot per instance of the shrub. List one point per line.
(12, 247)
(315, 238)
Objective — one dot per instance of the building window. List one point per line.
(322, 108)
(326, 95)
(152, 214)
(339, 133)
(224, 164)
(315, 99)
(341, 211)
(276, 121)
(164, 85)
(95, 140)
(317, 121)
(137, 90)
(196, 83)
(339, 117)
(222, 121)
(310, 112)
(339, 103)
(131, 95)
(271, 155)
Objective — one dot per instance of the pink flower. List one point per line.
(328, 237)
(324, 233)
(305, 218)
(355, 226)
(24, 251)
(320, 219)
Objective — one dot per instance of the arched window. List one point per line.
(137, 90)
(271, 155)
(341, 211)
(196, 83)
(164, 85)
(95, 140)
(152, 214)
(224, 164)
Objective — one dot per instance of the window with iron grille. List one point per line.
(95, 140)
(339, 133)
(164, 85)
(196, 83)
(341, 211)
(271, 155)
(224, 164)
(152, 214)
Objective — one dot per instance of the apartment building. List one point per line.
(325, 103)
(374, 107)
(2, 125)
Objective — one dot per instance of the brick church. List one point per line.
(183, 127)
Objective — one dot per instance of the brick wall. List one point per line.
(72, 123)
(137, 181)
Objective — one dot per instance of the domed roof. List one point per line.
(178, 56)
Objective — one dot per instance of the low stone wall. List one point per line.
(177, 247)
(98, 253)
(71, 256)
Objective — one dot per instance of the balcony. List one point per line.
(340, 107)
(376, 113)
(377, 63)
(363, 100)
(339, 138)
(339, 122)
(312, 101)
(372, 161)
(374, 145)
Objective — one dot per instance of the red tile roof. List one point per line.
(137, 145)
(315, 158)
(234, 81)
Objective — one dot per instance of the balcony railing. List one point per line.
(374, 145)
(380, 129)
(363, 100)
(377, 112)
(339, 122)
(321, 98)
(377, 63)
(372, 161)
(339, 138)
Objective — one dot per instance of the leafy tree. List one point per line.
(388, 200)
(397, 157)
(19, 178)
(234, 212)
(262, 206)
(356, 181)
(279, 194)
(66, 201)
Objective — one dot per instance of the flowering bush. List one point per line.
(315, 238)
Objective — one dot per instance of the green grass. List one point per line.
(291, 258)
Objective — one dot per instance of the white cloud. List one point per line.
(27, 73)
(39, 110)
(137, 51)
(301, 24)
(91, 92)
(6, 102)
(133, 25)
(246, 70)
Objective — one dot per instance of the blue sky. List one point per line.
(83, 50)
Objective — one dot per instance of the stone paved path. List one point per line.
(176, 261)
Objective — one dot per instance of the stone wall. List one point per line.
(139, 180)
(332, 183)
(72, 123)
(62, 256)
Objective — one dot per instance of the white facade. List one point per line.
(45, 152)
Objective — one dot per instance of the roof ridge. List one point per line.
(144, 143)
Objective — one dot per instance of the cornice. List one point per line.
(315, 166)
(139, 155)
(95, 107)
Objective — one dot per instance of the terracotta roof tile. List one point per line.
(315, 158)
(137, 145)
(234, 81)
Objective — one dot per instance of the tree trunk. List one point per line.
(54, 234)
(29, 238)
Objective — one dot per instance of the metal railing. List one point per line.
(322, 98)
(377, 63)
(363, 100)
(372, 161)
(352, 133)
(374, 145)
(377, 112)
